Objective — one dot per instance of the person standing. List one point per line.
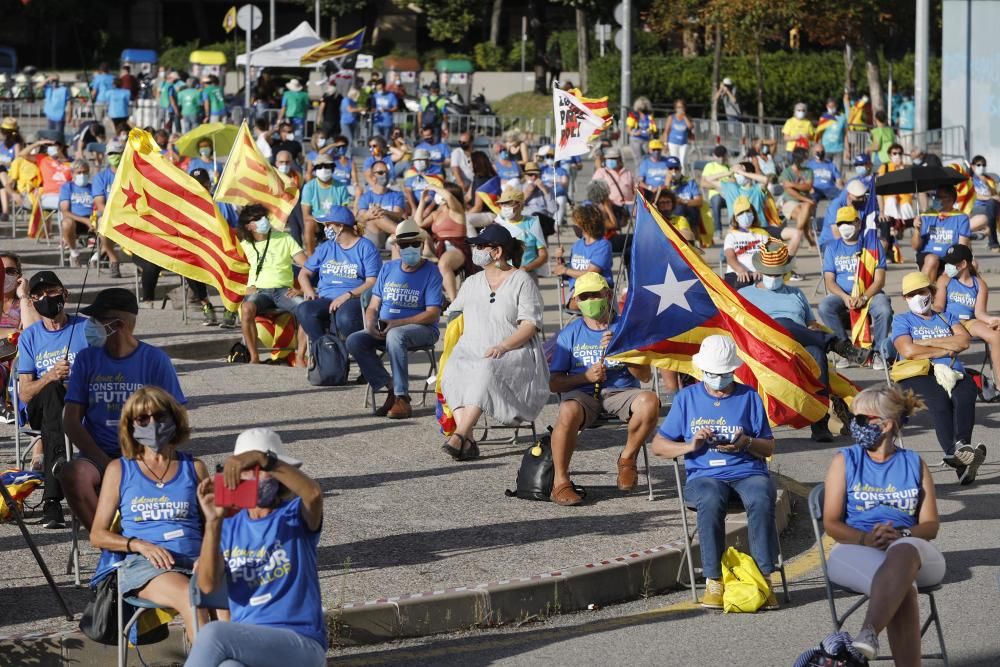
(294, 107)
(798, 131)
(328, 112)
(58, 104)
(213, 99)
(882, 139)
(731, 106)
(680, 130)
(100, 84)
(119, 101)
(191, 104)
(129, 82)
(349, 112)
(641, 126)
(832, 129)
(431, 117)
(385, 104)
(169, 110)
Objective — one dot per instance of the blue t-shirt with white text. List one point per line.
(940, 231)
(343, 269)
(81, 199)
(584, 254)
(407, 293)
(39, 349)
(841, 259)
(439, 153)
(388, 200)
(653, 172)
(578, 347)
(938, 325)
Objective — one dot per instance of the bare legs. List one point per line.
(892, 605)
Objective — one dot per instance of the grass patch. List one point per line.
(525, 105)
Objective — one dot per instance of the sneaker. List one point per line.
(968, 475)
(774, 582)
(867, 642)
(7, 416)
(821, 430)
(116, 270)
(209, 314)
(843, 414)
(228, 320)
(878, 363)
(713, 594)
(52, 515)
(74, 259)
(795, 277)
(855, 355)
(842, 363)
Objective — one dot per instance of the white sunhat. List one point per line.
(717, 355)
(263, 440)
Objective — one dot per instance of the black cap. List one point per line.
(720, 151)
(958, 253)
(201, 175)
(43, 278)
(113, 298)
(495, 235)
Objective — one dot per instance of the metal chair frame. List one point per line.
(426, 388)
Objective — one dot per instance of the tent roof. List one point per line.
(286, 51)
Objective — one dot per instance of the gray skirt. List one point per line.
(136, 571)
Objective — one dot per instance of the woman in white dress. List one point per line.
(497, 366)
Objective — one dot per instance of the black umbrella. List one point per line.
(916, 179)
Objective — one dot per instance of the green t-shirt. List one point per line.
(885, 138)
(189, 101)
(713, 168)
(216, 100)
(295, 103)
(166, 92)
(271, 260)
(804, 176)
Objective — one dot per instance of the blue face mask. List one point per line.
(717, 382)
(263, 225)
(95, 333)
(772, 282)
(267, 492)
(868, 436)
(504, 155)
(330, 232)
(861, 170)
(410, 256)
(611, 163)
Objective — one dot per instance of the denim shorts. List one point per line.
(273, 298)
(137, 571)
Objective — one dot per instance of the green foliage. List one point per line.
(177, 56)
(788, 78)
(336, 7)
(514, 56)
(488, 57)
(524, 105)
(447, 20)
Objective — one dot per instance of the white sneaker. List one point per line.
(878, 364)
(866, 642)
(842, 363)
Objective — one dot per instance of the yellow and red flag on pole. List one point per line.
(870, 259)
(335, 48)
(36, 223)
(229, 20)
(579, 121)
(249, 179)
(158, 212)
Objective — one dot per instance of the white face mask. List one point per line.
(419, 165)
(950, 270)
(52, 151)
(507, 212)
(800, 114)
(740, 179)
(772, 282)
(861, 170)
(919, 304)
(262, 225)
(744, 219)
(325, 175)
(439, 200)
(482, 257)
(285, 168)
(979, 170)
(80, 180)
(847, 231)
(320, 143)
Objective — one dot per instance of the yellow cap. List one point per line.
(847, 214)
(742, 204)
(915, 281)
(655, 145)
(589, 282)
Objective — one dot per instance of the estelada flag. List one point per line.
(35, 222)
(675, 300)
(229, 20)
(578, 122)
(340, 46)
(870, 258)
(160, 213)
(443, 412)
(965, 192)
(248, 178)
(489, 192)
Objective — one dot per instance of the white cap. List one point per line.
(545, 150)
(717, 355)
(856, 188)
(727, 81)
(263, 440)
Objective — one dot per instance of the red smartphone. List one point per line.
(244, 496)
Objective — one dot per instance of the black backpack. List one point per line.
(239, 353)
(534, 477)
(328, 362)
(429, 117)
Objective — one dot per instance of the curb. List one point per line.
(635, 575)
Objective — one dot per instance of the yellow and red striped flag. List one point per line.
(35, 222)
(249, 179)
(598, 105)
(965, 192)
(158, 212)
(340, 46)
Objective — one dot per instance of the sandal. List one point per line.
(453, 452)
(566, 495)
(470, 450)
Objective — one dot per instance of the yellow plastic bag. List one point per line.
(746, 589)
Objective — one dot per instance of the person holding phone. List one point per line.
(266, 556)
(154, 486)
(720, 427)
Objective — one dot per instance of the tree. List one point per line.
(447, 20)
(581, 9)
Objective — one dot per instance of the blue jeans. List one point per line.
(364, 348)
(710, 497)
(316, 320)
(222, 644)
(298, 126)
(57, 126)
(347, 129)
(717, 203)
(834, 314)
(383, 129)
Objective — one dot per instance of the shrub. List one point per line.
(489, 57)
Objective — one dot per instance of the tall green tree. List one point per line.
(447, 20)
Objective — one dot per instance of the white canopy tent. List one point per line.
(286, 51)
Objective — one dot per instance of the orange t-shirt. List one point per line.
(54, 174)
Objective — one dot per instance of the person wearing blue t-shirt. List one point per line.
(76, 204)
(922, 333)
(346, 266)
(402, 315)
(826, 176)
(653, 173)
(380, 209)
(721, 429)
(100, 188)
(879, 505)
(936, 231)
(57, 105)
(416, 185)
(832, 128)
(119, 100)
(556, 178)
(840, 266)
(438, 154)
(856, 195)
(104, 376)
(349, 111)
(154, 487)
(385, 104)
(46, 351)
(589, 385)
(265, 558)
(590, 253)
(100, 84)
(207, 160)
(507, 168)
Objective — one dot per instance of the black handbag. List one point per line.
(100, 617)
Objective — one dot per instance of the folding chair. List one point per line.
(124, 626)
(514, 428)
(427, 387)
(217, 599)
(816, 514)
(735, 507)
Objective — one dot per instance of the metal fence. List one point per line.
(948, 143)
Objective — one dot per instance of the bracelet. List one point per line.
(861, 540)
(128, 545)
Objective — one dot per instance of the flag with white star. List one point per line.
(675, 300)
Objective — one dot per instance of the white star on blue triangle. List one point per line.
(672, 292)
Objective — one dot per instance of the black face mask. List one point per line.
(860, 204)
(49, 307)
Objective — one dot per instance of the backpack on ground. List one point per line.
(239, 353)
(328, 362)
(535, 476)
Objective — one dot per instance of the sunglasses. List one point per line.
(52, 293)
(143, 420)
(978, 164)
(379, 173)
(589, 296)
(895, 153)
(864, 420)
(11, 271)
(410, 244)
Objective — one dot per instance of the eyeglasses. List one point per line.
(143, 420)
(53, 292)
(864, 420)
(11, 271)
(896, 153)
(410, 244)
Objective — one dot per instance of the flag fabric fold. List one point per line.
(340, 46)
(675, 300)
(36, 226)
(160, 213)
(444, 414)
(249, 178)
(579, 120)
(229, 20)
(489, 192)
(870, 258)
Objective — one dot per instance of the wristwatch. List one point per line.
(906, 532)
(270, 462)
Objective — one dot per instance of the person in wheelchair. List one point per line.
(720, 427)
(880, 506)
(590, 385)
